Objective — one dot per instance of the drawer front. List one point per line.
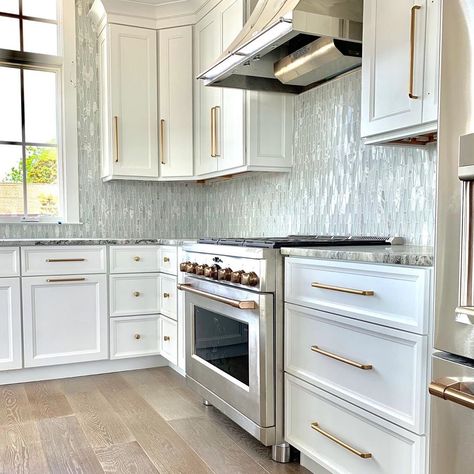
(134, 336)
(134, 294)
(67, 260)
(9, 261)
(168, 296)
(134, 259)
(392, 449)
(169, 339)
(382, 370)
(169, 259)
(390, 295)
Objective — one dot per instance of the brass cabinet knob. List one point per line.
(224, 274)
(137, 258)
(136, 294)
(166, 338)
(249, 279)
(137, 336)
(166, 259)
(166, 295)
(235, 277)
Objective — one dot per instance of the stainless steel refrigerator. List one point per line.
(452, 387)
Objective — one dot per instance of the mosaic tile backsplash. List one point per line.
(337, 184)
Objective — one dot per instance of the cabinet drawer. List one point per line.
(67, 260)
(394, 385)
(393, 450)
(9, 261)
(169, 339)
(168, 296)
(134, 294)
(390, 295)
(134, 336)
(169, 259)
(134, 259)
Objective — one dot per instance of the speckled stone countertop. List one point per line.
(391, 255)
(34, 242)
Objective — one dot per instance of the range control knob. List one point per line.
(235, 277)
(211, 272)
(200, 269)
(183, 266)
(224, 274)
(249, 279)
(191, 267)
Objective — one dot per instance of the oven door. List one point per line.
(229, 346)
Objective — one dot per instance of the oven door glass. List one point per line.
(222, 342)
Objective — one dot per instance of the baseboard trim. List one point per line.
(312, 466)
(36, 374)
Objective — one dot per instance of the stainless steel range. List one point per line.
(234, 327)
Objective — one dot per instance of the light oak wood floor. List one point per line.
(143, 421)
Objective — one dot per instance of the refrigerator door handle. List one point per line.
(456, 390)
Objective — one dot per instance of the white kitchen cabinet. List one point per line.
(128, 82)
(10, 324)
(64, 319)
(9, 261)
(169, 339)
(236, 131)
(399, 69)
(175, 63)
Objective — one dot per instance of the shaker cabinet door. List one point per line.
(10, 324)
(64, 319)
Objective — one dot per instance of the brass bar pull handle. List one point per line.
(414, 8)
(221, 299)
(216, 135)
(213, 132)
(62, 260)
(116, 139)
(344, 360)
(352, 291)
(64, 280)
(162, 141)
(315, 426)
(454, 390)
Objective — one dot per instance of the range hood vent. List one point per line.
(291, 45)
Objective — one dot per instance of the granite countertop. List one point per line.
(35, 242)
(392, 255)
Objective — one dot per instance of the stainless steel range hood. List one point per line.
(290, 45)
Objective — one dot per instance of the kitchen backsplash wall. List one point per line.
(337, 185)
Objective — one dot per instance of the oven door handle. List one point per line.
(221, 299)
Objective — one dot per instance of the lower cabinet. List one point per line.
(10, 324)
(134, 336)
(169, 339)
(64, 319)
(346, 439)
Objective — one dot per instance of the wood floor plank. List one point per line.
(66, 448)
(77, 384)
(101, 425)
(47, 400)
(21, 451)
(14, 405)
(126, 458)
(160, 376)
(219, 451)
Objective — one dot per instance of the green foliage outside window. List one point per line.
(41, 167)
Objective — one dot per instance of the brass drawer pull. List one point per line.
(64, 280)
(166, 259)
(412, 50)
(166, 338)
(352, 291)
(315, 426)
(341, 359)
(166, 295)
(136, 294)
(63, 260)
(137, 336)
(453, 390)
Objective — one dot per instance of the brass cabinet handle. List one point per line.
(216, 138)
(136, 294)
(166, 295)
(414, 8)
(166, 338)
(162, 141)
(62, 260)
(453, 390)
(116, 139)
(137, 259)
(166, 259)
(221, 299)
(64, 280)
(213, 132)
(137, 336)
(352, 291)
(315, 426)
(341, 359)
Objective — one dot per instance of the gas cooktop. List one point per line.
(303, 241)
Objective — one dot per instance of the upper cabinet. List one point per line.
(400, 70)
(236, 131)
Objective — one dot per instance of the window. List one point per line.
(38, 131)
